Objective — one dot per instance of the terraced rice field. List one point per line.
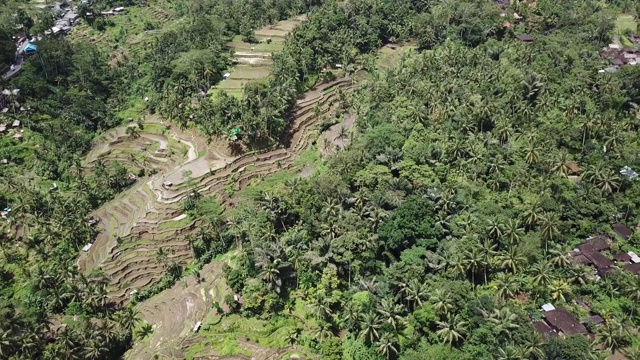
(253, 61)
(134, 225)
(148, 216)
(391, 54)
(127, 33)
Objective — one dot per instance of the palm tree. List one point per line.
(162, 256)
(7, 344)
(512, 259)
(342, 133)
(487, 250)
(533, 344)
(451, 331)
(495, 229)
(532, 216)
(127, 319)
(532, 156)
(387, 347)
(370, 323)
(95, 348)
(561, 165)
(549, 229)
(507, 285)
(350, 315)
(133, 132)
(442, 301)
(532, 87)
(587, 127)
(270, 274)
(613, 335)
(391, 313)
(472, 257)
(632, 291)
(559, 257)
(610, 287)
(541, 274)
(608, 181)
(580, 275)
(323, 331)
(376, 217)
(513, 232)
(510, 353)
(321, 307)
(505, 321)
(414, 292)
(559, 288)
(632, 353)
(145, 330)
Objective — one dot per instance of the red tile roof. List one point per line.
(573, 167)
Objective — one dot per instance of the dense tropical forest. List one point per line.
(477, 163)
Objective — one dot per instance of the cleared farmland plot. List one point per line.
(276, 45)
(250, 72)
(233, 84)
(253, 61)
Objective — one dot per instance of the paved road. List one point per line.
(18, 62)
(16, 68)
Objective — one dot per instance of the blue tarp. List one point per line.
(30, 48)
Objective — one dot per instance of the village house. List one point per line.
(633, 268)
(526, 38)
(573, 168)
(620, 56)
(590, 253)
(623, 231)
(558, 322)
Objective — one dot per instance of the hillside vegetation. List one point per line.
(432, 223)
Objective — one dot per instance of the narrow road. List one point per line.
(17, 66)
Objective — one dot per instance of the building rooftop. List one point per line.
(543, 329)
(573, 167)
(598, 243)
(624, 257)
(563, 321)
(600, 261)
(622, 230)
(632, 268)
(580, 260)
(525, 38)
(594, 319)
